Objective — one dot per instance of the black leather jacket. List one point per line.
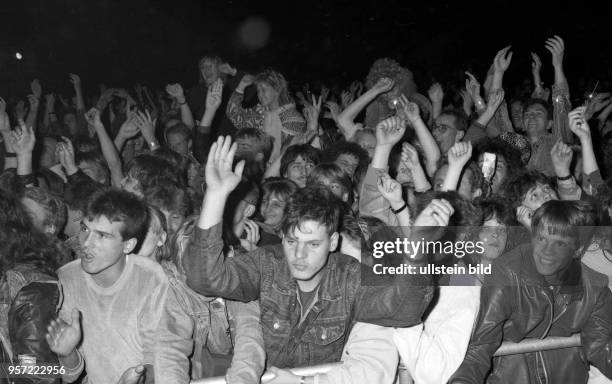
(517, 303)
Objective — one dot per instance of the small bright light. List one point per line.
(18, 56)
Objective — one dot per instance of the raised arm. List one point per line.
(22, 142)
(109, 151)
(458, 156)
(75, 80)
(202, 134)
(560, 92)
(428, 143)
(176, 91)
(34, 100)
(239, 116)
(347, 116)
(10, 160)
(590, 170)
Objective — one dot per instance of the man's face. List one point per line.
(298, 170)
(179, 143)
(465, 183)
(552, 253)
(103, 249)
(38, 215)
(306, 250)
(210, 72)
(174, 220)
(535, 120)
(94, 172)
(517, 115)
(48, 156)
(494, 235)
(538, 195)
(71, 122)
(445, 132)
(336, 188)
(266, 93)
(348, 163)
(501, 171)
(272, 209)
(367, 141)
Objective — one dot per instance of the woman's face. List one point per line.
(272, 209)
(494, 235)
(267, 94)
(209, 71)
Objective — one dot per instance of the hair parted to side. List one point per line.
(570, 219)
(121, 206)
(306, 151)
(312, 203)
(277, 81)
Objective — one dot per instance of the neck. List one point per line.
(535, 135)
(309, 285)
(110, 275)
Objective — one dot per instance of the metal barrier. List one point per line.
(507, 348)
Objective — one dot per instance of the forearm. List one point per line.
(437, 108)
(353, 109)
(380, 159)
(208, 117)
(453, 175)
(589, 161)
(73, 365)
(429, 145)
(421, 184)
(111, 155)
(24, 164)
(31, 118)
(80, 103)
(212, 210)
(186, 115)
(561, 108)
(497, 81)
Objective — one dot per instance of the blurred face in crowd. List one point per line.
(174, 220)
(179, 143)
(48, 156)
(71, 122)
(494, 235)
(538, 195)
(94, 171)
(298, 170)
(517, 115)
(336, 188)
(272, 209)
(131, 184)
(501, 171)
(535, 120)
(465, 188)
(155, 239)
(210, 71)
(103, 249)
(306, 249)
(367, 141)
(445, 132)
(552, 253)
(38, 215)
(348, 163)
(268, 96)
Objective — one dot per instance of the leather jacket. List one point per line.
(517, 303)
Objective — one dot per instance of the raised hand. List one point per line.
(556, 47)
(227, 69)
(22, 139)
(129, 128)
(390, 131)
(390, 189)
(5, 124)
(132, 375)
(252, 235)
(347, 99)
(436, 214)
(596, 103)
(536, 65)
(383, 85)
(356, 88)
(36, 88)
(561, 155)
(64, 337)
(472, 86)
(459, 154)
(220, 178)
(578, 124)
(502, 60)
(334, 110)
(495, 99)
(214, 95)
(410, 156)
(93, 117)
(176, 91)
(524, 215)
(34, 102)
(467, 102)
(312, 112)
(436, 93)
(146, 124)
(409, 110)
(65, 154)
(245, 82)
(75, 80)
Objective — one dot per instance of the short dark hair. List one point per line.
(349, 148)
(333, 173)
(571, 219)
(178, 129)
(312, 203)
(543, 103)
(516, 187)
(305, 151)
(95, 158)
(151, 170)
(280, 187)
(121, 206)
(494, 207)
(169, 197)
(79, 194)
(461, 120)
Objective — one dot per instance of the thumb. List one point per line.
(139, 369)
(76, 317)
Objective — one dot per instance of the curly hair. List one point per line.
(313, 203)
(516, 187)
(501, 148)
(389, 68)
(21, 243)
(56, 213)
(349, 148)
(277, 81)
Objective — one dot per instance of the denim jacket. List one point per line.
(342, 298)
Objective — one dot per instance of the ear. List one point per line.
(129, 245)
(550, 125)
(50, 229)
(259, 157)
(249, 210)
(162, 239)
(459, 135)
(333, 241)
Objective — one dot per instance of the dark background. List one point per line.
(121, 43)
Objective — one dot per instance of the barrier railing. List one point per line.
(507, 348)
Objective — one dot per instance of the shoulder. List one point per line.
(147, 268)
(593, 278)
(70, 271)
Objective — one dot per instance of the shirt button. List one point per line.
(323, 336)
(276, 326)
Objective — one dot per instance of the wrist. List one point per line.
(563, 173)
(396, 205)
(70, 169)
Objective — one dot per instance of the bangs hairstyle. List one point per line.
(277, 81)
(494, 207)
(542, 103)
(312, 203)
(461, 120)
(121, 206)
(305, 151)
(569, 219)
(279, 187)
(333, 173)
(516, 187)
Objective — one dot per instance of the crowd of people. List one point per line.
(228, 229)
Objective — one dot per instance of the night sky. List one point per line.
(155, 42)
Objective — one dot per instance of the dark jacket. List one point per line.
(516, 303)
(343, 298)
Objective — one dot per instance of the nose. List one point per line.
(88, 240)
(300, 251)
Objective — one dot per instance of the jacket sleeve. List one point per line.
(596, 336)
(496, 302)
(369, 357)
(242, 117)
(372, 202)
(561, 108)
(248, 362)
(211, 274)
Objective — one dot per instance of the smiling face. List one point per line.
(538, 195)
(103, 249)
(552, 253)
(267, 95)
(272, 208)
(306, 250)
(494, 235)
(298, 170)
(535, 120)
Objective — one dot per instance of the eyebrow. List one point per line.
(97, 231)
